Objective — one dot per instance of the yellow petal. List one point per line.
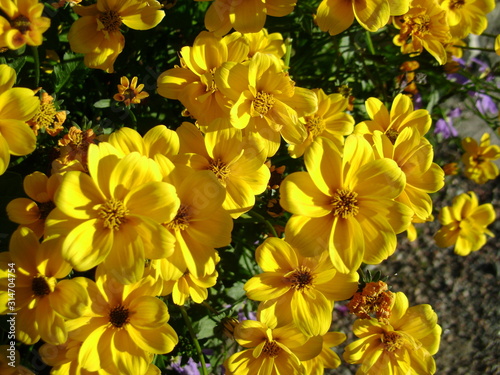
(299, 195)
(159, 341)
(148, 312)
(69, 299)
(335, 16)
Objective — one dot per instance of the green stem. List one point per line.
(195, 340)
(288, 53)
(489, 35)
(369, 42)
(134, 119)
(476, 48)
(263, 220)
(36, 60)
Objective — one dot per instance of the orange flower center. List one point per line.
(271, 349)
(181, 220)
(392, 341)
(315, 125)
(263, 102)
(345, 203)
(220, 169)
(113, 213)
(40, 286)
(111, 20)
(21, 23)
(419, 23)
(119, 316)
(301, 278)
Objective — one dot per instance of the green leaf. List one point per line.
(103, 103)
(205, 328)
(236, 291)
(63, 71)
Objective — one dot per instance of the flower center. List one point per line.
(129, 94)
(209, 81)
(301, 278)
(181, 220)
(45, 208)
(392, 135)
(21, 23)
(479, 159)
(315, 125)
(111, 20)
(113, 213)
(345, 203)
(40, 286)
(119, 316)
(220, 169)
(392, 341)
(456, 4)
(263, 102)
(45, 116)
(419, 23)
(271, 349)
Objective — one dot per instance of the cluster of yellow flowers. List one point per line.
(142, 217)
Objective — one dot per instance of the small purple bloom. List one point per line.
(485, 104)
(445, 127)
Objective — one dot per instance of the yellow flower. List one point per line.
(201, 224)
(122, 327)
(244, 16)
(266, 101)
(273, 350)
(336, 16)
(467, 16)
(414, 155)
(265, 43)
(64, 360)
(33, 212)
(497, 45)
(424, 26)
(175, 279)
(193, 82)
(392, 123)
(48, 118)
(327, 358)
(329, 121)
(478, 159)
(405, 344)
(464, 224)
(345, 203)
(157, 140)
(97, 33)
(129, 92)
(297, 289)
(17, 105)
(114, 215)
(22, 23)
(43, 301)
(238, 167)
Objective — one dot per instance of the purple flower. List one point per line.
(445, 127)
(485, 104)
(190, 368)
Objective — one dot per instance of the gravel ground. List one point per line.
(464, 291)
